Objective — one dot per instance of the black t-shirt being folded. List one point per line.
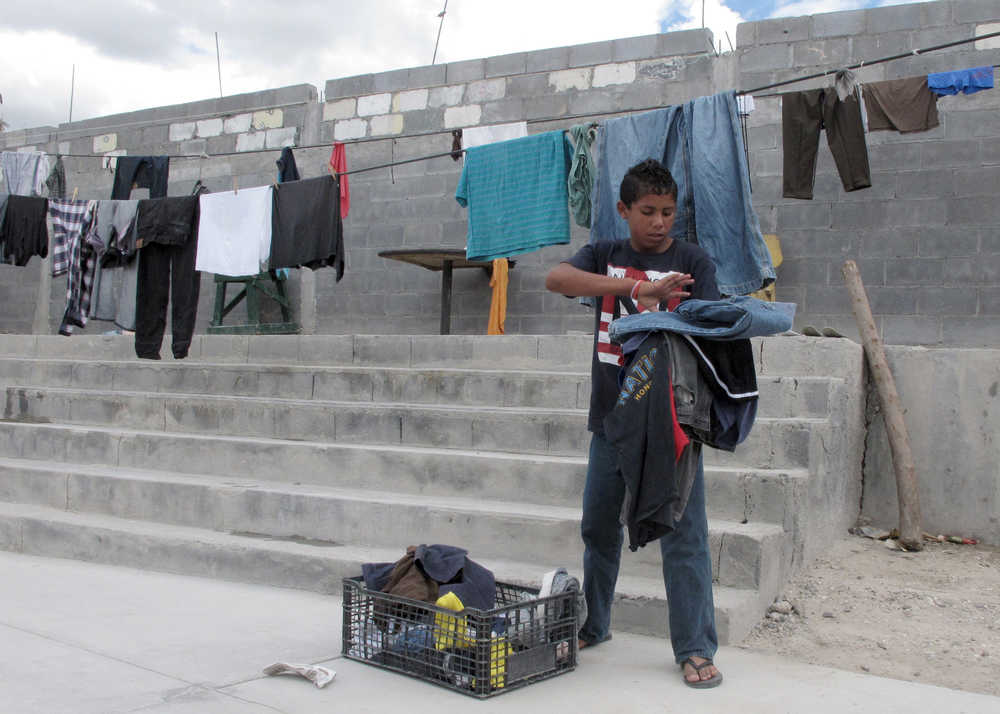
(618, 259)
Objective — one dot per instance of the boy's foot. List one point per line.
(701, 673)
(582, 644)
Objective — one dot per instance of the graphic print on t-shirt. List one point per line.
(614, 306)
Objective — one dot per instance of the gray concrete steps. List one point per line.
(640, 605)
(784, 356)
(557, 352)
(742, 552)
(735, 493)
(780, 396)
(773, 443)
(283, 459)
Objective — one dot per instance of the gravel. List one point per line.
(931, 616)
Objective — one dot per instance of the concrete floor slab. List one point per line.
(86, 638)
(41, 674)
(194, 629)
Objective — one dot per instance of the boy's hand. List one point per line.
(651, 294)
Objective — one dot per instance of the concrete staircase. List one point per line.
(292, 460)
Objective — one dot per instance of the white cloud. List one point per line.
(719, 18)
(480, 29)
(135, 54)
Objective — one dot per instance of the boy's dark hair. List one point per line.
(649, 176)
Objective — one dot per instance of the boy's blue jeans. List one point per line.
(687, 564)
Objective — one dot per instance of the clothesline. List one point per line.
(542, 120)
(911, 53)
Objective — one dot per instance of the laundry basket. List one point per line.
(481, 653)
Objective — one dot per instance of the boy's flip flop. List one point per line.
(701, 683)
(583, 644)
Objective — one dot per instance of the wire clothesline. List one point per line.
(903, 55)
(543, 120)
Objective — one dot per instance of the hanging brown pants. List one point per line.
(803, 116)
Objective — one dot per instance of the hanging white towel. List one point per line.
(234, 231)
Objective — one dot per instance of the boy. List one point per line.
(649, 271)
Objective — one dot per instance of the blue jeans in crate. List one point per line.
(687, 564)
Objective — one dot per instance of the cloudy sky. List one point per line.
(135, 54)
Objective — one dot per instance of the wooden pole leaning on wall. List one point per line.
(910, 533)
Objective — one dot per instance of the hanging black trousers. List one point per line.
(803, 116)
(168, 228)
(166, 274)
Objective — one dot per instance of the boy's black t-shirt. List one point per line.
(619, 260)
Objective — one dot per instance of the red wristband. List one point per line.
(635, 289)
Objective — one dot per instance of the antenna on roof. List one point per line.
(440, 25)
(218, 62)
(72, 86)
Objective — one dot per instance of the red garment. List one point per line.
(338, 164)
(681, 439)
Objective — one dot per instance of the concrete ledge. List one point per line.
(776, 356)
(234, 104)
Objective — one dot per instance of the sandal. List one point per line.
(582, 644)
(701, 683)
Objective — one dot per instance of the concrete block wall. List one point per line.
(949, 399)
(224, 129)
(384, 117)
(926, 235)
(410, 113)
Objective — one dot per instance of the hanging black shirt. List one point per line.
(168, 221)
(23, 232)
(145, 172)
(287, 170)
(306, 228)
(618, 259)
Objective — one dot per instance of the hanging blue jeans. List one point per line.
(734, 318)
(687, 564)
(727, 225)
(625, 142)
(701, 144)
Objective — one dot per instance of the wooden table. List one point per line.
(445, 260)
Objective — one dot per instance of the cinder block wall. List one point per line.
(926, 235)
(413, 206)
(223, 128)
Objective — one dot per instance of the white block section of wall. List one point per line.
(566, 79)
(468, 115)
(374, 104)
(618, 73)
(413, 100)
(350, 129)
(182, 131)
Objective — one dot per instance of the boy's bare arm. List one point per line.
(566, 279)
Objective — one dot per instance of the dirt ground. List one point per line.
(931, 616)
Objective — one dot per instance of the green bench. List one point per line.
(271, 284)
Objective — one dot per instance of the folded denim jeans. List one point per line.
(733, 318)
